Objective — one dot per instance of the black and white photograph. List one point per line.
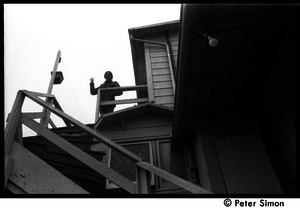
(151, 101)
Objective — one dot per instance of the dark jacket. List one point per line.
(106, 95)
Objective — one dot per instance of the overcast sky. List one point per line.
(92, 40)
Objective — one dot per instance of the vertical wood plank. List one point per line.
(149, 72)
(13, 121)
(143, 178)
(97, 106)
(45, 120)
(19, 134)
(8, 167)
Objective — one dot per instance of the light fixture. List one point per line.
(213, 42)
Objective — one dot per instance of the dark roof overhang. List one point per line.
(235, 74)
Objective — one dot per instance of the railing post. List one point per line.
(13, 122)
(97, 106)
(45, 121)
(143, 178)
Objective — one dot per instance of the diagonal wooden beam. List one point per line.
(93, 163)
(57, 105)
(35, 115)
(52, 123)
(43, 95)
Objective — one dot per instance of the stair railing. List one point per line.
(17, 118)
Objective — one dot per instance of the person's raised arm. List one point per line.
(93, 90)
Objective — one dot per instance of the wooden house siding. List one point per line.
(246, 166)
(158, 68)
(173, 38)
(151, 126)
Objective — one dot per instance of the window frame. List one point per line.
(111, 185)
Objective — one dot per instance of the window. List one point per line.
(125, 166)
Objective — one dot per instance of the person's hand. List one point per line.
(92, 79)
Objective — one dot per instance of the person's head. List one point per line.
(108, 75)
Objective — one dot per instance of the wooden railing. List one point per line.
(124, 101)
(143, 169)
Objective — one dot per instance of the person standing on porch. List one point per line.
(106, 95)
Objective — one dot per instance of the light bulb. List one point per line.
(213, 41)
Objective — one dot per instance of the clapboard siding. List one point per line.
(174, 44)
(164, 100)
(159, 65)
(175, 53)
(159, 59)
(160, 85)
(157, 48)
(158, 54)
(160, 71)
(164, 92)
(173, 41)
(243, 170)
(160, 68)
(161, 78)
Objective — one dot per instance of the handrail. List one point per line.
(90, 131)
(125, 101)
(189, 186)
(143, 169)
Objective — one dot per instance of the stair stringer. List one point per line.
(34, 175)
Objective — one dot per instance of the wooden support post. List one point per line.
(143, 178)
(45, 121)
(171, 68)
(8, 167)
(149, 73)
(97, 106)
(50, 87)
(13, 121)
(19, 134)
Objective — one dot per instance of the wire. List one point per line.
(73, 91)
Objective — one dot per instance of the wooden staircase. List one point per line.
(66, 164)
(74, 153)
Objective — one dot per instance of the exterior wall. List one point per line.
(158, 68)
(156, 131)
(231, 158)
(282, 150)
(245, 165)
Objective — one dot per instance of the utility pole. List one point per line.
(45, 120)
